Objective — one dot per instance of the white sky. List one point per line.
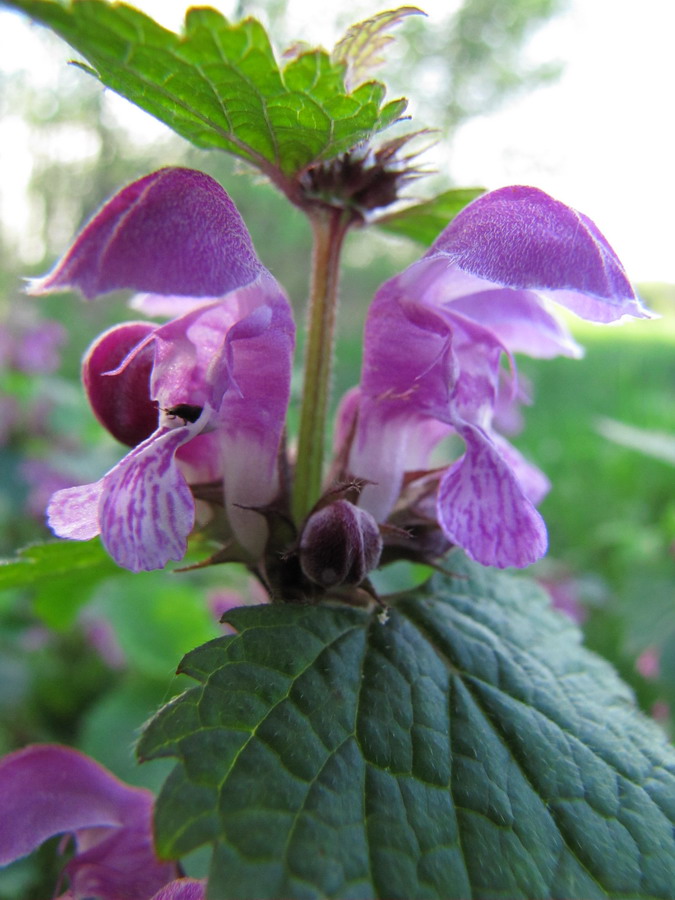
(601, 139)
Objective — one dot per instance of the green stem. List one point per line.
(329, 227)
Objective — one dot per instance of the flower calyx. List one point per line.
(329, 556)
(364, 178)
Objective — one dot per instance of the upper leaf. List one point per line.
(467, 747)
(219, 85)
(61, 574)
(361, 46)
(424, 221)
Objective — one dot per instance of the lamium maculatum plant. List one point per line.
(449, 741)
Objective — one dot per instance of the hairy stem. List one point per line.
(329, 228)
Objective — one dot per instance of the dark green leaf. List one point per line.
(425, 221)
(219, 84)
(467, 747)
(61, 574)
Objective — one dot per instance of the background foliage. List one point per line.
(100, 663)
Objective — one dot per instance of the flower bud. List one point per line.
(340, 544)
(121, 402)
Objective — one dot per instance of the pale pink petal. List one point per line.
(252, 415)
(379, 455)
(520, 322)
(73, 512)
(158, 306)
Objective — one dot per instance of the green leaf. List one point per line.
(62, 575)
(467, 747)
(173, 617)
(219, 84)
(361, 47)
(425, 221)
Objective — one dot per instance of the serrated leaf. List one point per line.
(425, 221)
(219, 84)
(62, 575)
(468, 747)
(360, 49)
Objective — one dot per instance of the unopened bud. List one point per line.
(340, 544)
(122, 402)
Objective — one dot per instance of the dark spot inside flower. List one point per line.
(185, 411)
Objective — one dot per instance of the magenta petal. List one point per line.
(519, 237)
(147, 509)
(174, 232)
(483, 508)
(180, 370)
(48, 790)
(121, 401)
(201, 458)
(408, 362)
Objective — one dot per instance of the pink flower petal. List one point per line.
(174, 232)
(521, 238)
(482, 507)
(47, 790)
(520, 322)
(147, 509)
(532, 480)
(73, 512)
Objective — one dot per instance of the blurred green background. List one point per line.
(86, 660)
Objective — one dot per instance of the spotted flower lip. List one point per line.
(176, 238)
(435, 339)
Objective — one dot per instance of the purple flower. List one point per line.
(32, 347)
(48, 790)
(435, 339)
(202, 399)
(203, 396)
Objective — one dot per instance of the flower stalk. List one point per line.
(329, 227)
